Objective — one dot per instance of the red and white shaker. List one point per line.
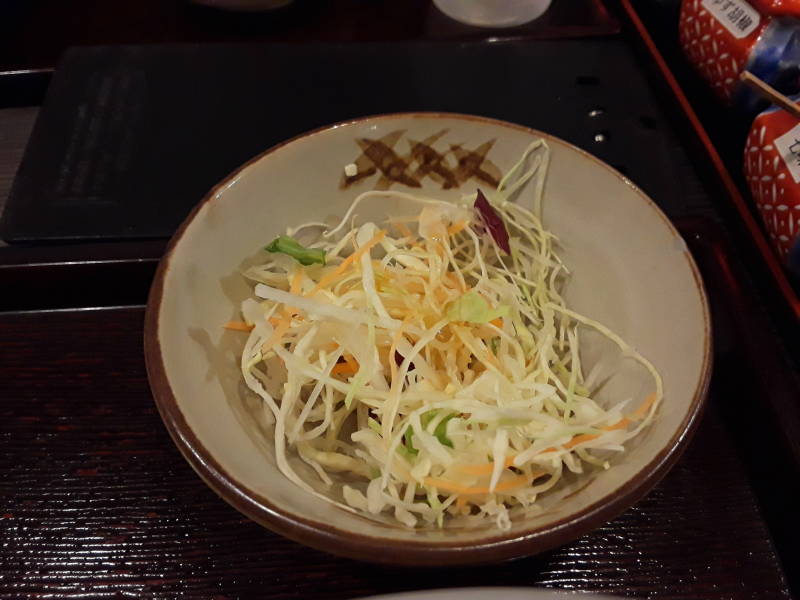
(779, 8)
(772, 170)
(718, 36)
(722, 38)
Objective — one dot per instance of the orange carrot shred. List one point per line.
(351, 362)
(505, 486)
(238, 326)
(456, 228)
(644, 407)
(484, 469)
(636, 415)
(403, 228)
(344, 368)
(348, 367)
(338, 271)
(297, 281)
(277, 335)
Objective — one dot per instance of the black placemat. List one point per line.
(129, 138)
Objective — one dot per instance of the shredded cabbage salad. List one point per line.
(426, 366)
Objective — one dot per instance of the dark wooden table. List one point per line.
(97, 502)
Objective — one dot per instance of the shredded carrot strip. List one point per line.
(505, 486)
(238, 326)
(289, 312)
(621, 424)
(277, 335)
(498, 322)
(579, 439)
(484, 469)
(351, 362)
(275, 321)
(457, 283)
(636, 415)
(338, 271)
(349, 367)
(441, 293)
(294, 288)
(340, 368)
(403, 228)
(436, 247)
(640, 412)
(297, 281)
(456, 228)
(414, 287)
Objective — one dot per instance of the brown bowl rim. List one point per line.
(324, 536)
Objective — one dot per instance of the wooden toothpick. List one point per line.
(768, 92)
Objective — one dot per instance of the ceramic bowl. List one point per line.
(630, 270)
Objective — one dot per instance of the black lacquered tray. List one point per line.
(99, 502)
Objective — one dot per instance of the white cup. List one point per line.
(493, 13)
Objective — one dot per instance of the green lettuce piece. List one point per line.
(289, 246)
(440, 432)
(472, 308)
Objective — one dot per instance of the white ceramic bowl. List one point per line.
(630, 270)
